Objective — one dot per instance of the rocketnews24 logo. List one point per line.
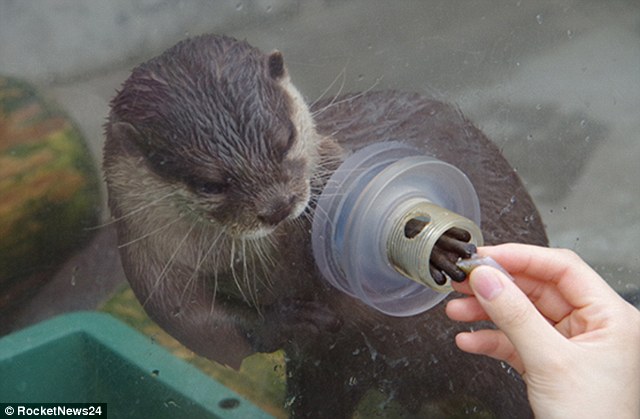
(70, 410)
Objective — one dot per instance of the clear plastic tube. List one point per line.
(358, 229)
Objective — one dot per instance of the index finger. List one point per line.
(578, 283)
(544, 295)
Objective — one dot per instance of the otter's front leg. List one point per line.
(291, 320)
(220, 326)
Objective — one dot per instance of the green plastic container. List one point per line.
(93, 358)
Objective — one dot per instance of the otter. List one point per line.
(213, 162)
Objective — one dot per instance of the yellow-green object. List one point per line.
(49, 190)
(261, 378)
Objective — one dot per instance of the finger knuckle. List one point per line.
(569, 254)
(516, 316)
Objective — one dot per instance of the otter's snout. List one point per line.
(278, 210)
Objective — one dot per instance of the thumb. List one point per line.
(512, 311)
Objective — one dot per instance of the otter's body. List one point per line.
(213, 162)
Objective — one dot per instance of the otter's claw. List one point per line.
(469, 264)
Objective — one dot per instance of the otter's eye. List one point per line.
(206, 187)
(292, 137)
(283, 146)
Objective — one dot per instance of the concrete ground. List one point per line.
(556, 83)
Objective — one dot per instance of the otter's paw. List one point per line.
(292, 320)
(310, 315)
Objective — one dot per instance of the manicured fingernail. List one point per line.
(485, 282)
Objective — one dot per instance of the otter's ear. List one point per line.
(276, 65)
(123, 136)
(123, 130)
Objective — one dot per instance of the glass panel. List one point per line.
(554, 84)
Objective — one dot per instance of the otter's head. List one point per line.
(223, 121)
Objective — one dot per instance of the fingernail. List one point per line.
(485, 282)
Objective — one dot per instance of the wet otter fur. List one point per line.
(213, 163)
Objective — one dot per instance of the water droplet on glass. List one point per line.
(583, 123)
(539, 19)
(229, 403)
(289, 402)
(538, 107)
(570, 34)
(73, 275)
(155, 373)
(239, 6)
(170, 403)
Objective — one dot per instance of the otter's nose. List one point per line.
(277, 210)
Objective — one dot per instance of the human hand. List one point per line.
(573, 339)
